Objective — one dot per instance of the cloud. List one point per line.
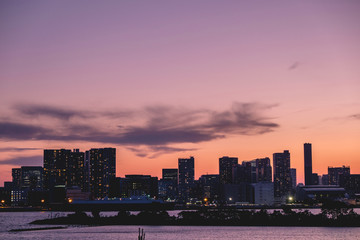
(36, 110)
(155, 151)
(24, 161)
(160, 126)
(20, 131)
(16, 149)
(355, 116)
(294, 66)
(43, 110)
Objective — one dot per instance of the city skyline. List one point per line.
(166, 80)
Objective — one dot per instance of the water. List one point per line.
(15, 220)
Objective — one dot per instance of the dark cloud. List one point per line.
(43, 110)
(355, 116)
(35, 110)
(16, 149)
(155, 151)
(20, 131)
(24, 161)
(294, 66)
(160, 127)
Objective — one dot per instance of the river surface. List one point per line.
(19, 220)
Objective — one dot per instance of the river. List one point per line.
(19, 220)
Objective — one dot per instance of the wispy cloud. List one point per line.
(24, 161)
(294, 66)
(16, 149)
(159, 128)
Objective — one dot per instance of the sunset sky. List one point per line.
(159, 80)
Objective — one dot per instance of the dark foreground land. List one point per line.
(329, 217)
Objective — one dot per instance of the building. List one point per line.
(325, 179)
(315, 179)
(308, 164)
(351, 183)
(293, 178)
(86, 177)
(102, 170)
(55, 167)
(282, 176)
(137, 185)
(75, 170)
(263, 193)
(210, 185)
(170, 174)
(318, 193)
(16, 178)
(186, 168)
(64, 167)
(31, 178)
(263, 170)
(27, 181)
(335, 173)
(168, 184)
(226, 165)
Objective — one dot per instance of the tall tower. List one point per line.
(226, 165)
(282, 176)
(102, 170)
(55, 167)
(186, 177)
(308, 164)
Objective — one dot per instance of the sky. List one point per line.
(162, 80)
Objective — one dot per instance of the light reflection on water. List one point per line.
(15, 220)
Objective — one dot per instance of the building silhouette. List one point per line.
(335, 173)
(308, 164)
(226, 165)
(75, 170)
(210, 186)
(293, 178)
(63, 167)
(186, 168)
(282, 176)
(55, 167)
(168, 184)
(102, 170)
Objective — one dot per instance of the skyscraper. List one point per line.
(102, 170)
(186, 177)
(282, 177)
(335, 173)
(308, 164)
(226, 165)
(75, 169)
(63, 167)
(55, 167)
(293, 178)
(170, 174)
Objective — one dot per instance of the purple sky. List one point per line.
(160, 80)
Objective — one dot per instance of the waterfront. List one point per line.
(17, 220)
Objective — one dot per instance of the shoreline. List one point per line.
(224, 217)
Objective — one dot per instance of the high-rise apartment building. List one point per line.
(226, 165)
(75, 169)
(185, 177)
(55, 167)
(32, 178)
(293, 178)
(16, 178)
(282, 176)
(335, 173)
(63, 167)
(308, 164)
(170, 174)
(102, 170)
